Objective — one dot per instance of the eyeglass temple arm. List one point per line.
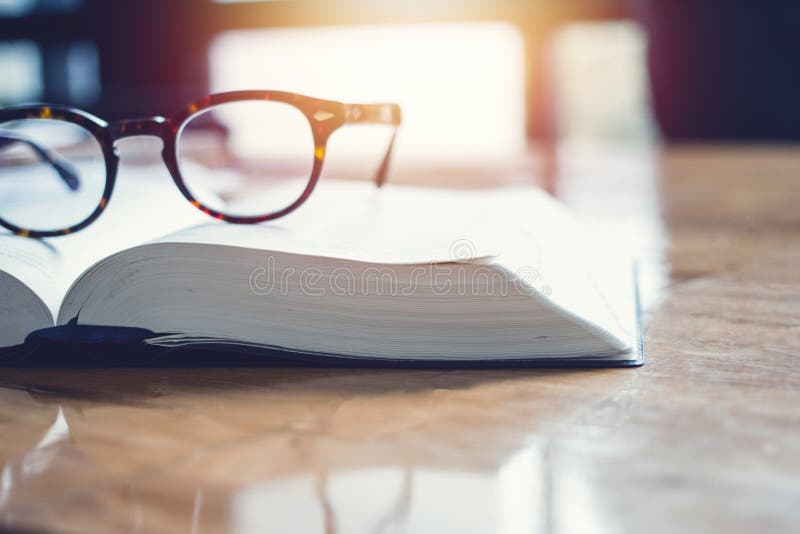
(64, 169)
(388, 114)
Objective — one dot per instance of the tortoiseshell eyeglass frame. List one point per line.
(324, 117)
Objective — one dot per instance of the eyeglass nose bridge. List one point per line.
(148, 126)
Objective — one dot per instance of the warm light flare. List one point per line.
(461, 86)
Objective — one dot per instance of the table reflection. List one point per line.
(255, 450)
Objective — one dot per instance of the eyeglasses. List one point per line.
(243, 157)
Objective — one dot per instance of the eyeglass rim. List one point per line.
(324, 117)
(98, 128)
(311, 108)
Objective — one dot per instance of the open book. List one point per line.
(397, 274)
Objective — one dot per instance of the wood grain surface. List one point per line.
(704, 438)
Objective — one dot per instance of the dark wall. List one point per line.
(725, 69)
(150, 56)
(719, 69)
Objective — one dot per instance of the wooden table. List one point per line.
(705, 437)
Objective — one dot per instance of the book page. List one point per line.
(144, 204)
(357, 221)
(521, 232)
(586, 275)
(523, 229)
(36, 264)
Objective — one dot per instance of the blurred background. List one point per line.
(480, 81)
